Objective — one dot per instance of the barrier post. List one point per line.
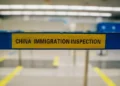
(74, 57)
(86, 68)
(20, 63)
(103, 54)
(32, 62)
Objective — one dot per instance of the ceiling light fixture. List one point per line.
(59, 13)
(61, 7)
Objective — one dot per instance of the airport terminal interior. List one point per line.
(31, 67)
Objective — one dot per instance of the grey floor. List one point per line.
(38, 68)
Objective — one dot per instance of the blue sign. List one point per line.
(105, 27)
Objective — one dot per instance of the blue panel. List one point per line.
(5, 41)
(113, 41)
(108, 27)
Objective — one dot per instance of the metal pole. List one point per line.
(32, 62)
(101, 53)
(20, 62)
(86, 68)
(74, 57)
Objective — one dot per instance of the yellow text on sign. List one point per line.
(60, 41)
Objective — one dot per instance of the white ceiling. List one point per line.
(66, 2)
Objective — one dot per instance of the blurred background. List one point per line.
(59, 67)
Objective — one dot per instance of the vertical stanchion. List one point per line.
(20, 62)
(101, 53)
(32, 65)
(86, 68)
(74, 57)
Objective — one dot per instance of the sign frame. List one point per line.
(112, 40)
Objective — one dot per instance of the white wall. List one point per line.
(44, 23)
